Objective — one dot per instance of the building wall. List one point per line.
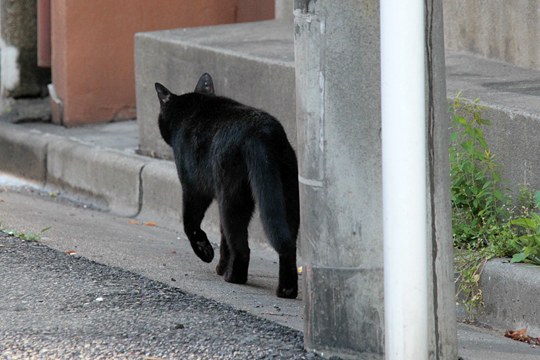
(92, 48)
(497, 29)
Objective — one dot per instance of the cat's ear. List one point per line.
(164, 95)
(205, 85)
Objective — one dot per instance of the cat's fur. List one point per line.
(239, 156)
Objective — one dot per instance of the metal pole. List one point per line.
(404, 179)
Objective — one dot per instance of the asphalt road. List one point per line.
(59, 306)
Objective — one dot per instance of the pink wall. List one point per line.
(92, 47)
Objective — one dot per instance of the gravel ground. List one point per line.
(59, 306)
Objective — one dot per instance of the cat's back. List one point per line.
(222, 115)
(233, 113)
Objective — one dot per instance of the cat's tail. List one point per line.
(274, 183)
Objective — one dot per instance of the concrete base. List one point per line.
(284, 9)
(252, 63)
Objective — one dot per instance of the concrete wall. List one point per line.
(497, 29)
(20, 75)
(92, 48)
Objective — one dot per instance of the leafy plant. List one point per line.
(527, 244)
(479, 199)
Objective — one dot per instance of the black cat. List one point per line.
(239, 156)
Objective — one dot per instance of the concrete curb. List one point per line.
(23, 153)
(133, 185)
(105, 177)
(111, 178)
(510, 294)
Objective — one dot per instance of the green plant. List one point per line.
(527, 244)
(26, 236)
(479, 199)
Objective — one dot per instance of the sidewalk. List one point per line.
(100, 165)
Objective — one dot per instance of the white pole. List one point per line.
(404, 179)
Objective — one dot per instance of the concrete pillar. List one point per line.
(441, 290)
(339, 152)
(337, 55)
(20, 75)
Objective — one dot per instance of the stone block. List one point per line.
(161, 194)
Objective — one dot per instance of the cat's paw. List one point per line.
(236, 270)
(221, 267)
(235, 278)
(203, 249)
(287, 293)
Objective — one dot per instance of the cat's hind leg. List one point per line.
(288, 272)
(194, 207)
(235, 213)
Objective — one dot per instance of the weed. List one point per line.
(479, 199)
(527, 244)
(469, 266)
(26, 236)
